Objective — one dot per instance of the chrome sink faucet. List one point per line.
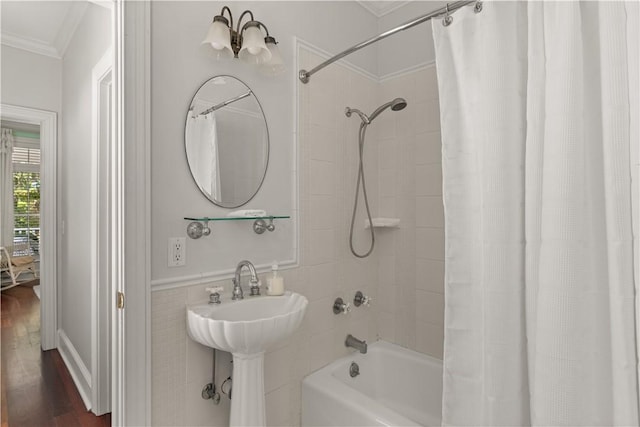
(254, 281)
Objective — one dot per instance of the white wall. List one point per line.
(30, 80)
(179, 68)
(409, 48)
(328, 161)
(90, 42)
(402, 148)
(180, 367)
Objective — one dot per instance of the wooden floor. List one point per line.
(37, 389)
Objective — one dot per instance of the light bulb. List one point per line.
(253, 49)
(219, 38)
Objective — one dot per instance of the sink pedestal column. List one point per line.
(247, 402)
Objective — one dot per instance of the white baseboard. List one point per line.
(79, 372)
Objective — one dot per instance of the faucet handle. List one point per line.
(237, 290)
(214, 294)
(340, 307)
(361, 299)
(255, 288)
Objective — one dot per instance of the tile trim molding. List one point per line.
(213, 276)
(409, 70)
(302, 44)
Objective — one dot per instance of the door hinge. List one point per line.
(119, 300)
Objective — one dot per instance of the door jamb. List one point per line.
(47, 120)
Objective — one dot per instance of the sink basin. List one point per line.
(246, 328)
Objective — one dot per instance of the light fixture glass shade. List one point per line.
(276, 65)
(219, 38)
(254, 50)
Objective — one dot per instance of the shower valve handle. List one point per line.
(340, 307)
(361, 299)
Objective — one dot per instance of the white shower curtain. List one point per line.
(6, 187)
(537, 127)
(205, 167)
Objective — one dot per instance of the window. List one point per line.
(26, 192)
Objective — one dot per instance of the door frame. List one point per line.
(101, 163)
(130, 214)
(47, 120)
(130, 211)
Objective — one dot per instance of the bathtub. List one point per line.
(395, 387)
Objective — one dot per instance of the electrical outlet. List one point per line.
(177, 251)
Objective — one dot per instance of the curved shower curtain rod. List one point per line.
(304, 75)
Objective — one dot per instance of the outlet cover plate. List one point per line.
(177, 252)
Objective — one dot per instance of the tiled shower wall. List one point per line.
(411, 267)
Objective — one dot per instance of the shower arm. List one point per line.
(304, 75)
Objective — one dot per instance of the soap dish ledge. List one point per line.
(383, 223)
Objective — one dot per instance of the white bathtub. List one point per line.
(396, 387)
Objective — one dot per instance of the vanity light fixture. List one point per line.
(247, 42)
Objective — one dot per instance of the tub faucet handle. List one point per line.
(361, 299)
(340, 307)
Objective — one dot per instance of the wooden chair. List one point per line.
(15, 260)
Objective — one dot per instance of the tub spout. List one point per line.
(354, 342)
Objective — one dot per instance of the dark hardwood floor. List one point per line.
(36, 387)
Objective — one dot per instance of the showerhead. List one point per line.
(396, 105)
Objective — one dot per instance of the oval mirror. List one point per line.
(226, 141)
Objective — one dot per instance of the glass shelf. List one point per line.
(237, 218)
(200, 226)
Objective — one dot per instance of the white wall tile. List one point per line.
(428, 180)
(430, 275)
(428, 113)
(429, 211)
(430, 243)
(386, 326)
(322, 143)
(430, 307)
(279, 364)
(319, 247)
(320, 350)
(277, 404)
(321, 212)
(430, 339)
(321, 177)
(428, 148)
(387, 183)
(426, 84)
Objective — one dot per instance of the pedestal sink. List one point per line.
(246, 328)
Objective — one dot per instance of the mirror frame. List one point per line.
(266, 126)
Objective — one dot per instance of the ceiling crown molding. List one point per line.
(69, 26)
(57, 47)
(36, 46)
(381, 8)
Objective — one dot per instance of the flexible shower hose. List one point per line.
(363, 128)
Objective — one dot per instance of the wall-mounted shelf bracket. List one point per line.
(199, 227)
